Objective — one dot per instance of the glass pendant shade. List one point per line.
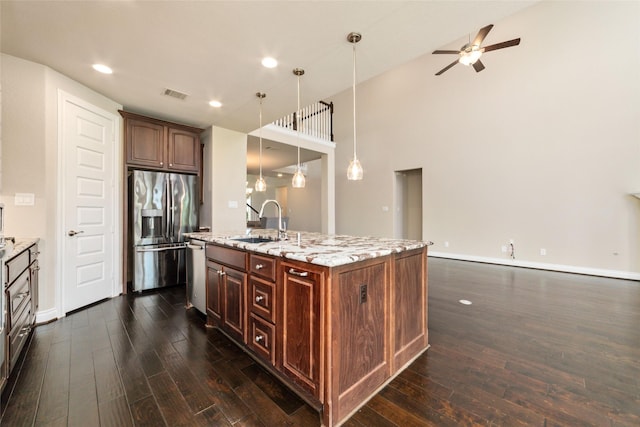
(298, 180)
(261, 184)
(354, 171)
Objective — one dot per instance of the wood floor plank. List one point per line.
(146, 413)
(115, 413)
(54, 396)
(171, 403)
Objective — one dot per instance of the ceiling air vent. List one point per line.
(175, 94)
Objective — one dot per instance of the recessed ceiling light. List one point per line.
(279, 175)
(269, 62)
(216, 104)
(465, 302)
(101, 68)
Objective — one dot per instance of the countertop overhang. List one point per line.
(315, 248)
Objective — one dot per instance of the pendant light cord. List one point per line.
(260, 135)
(354, 100)
(299, 122)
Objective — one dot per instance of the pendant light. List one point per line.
(354, 171)
(298, 180)
(261, 184)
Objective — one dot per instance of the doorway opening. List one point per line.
(408, 204)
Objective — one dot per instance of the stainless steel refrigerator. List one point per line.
(163, 206)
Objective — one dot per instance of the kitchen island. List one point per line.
(334, 317)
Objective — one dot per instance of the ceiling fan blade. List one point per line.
(456, 52)
(478, 66)
(447, 67)
(502, 45)
(482, 34)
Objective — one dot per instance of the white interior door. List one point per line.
(88, 203)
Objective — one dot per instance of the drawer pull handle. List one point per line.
(24, 332)
(259, 266)
(259, 298)
(259, 338)
(298, 273)
(221, 273)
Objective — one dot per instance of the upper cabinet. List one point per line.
(156, 144)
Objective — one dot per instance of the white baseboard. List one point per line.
(629, 275)
(46, 316)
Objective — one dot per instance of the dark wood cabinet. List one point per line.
(227, 290)
(234, 288)
(214, 293)
(302, 340)
(160, 145)
(335, 335)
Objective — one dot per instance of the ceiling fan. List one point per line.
(470, 53)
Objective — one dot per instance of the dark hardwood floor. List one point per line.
(534, 348)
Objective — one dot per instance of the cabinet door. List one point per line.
(301, 340)
(34, 268)
(234, 313)
(410, 293)
(145, 144)
(184, 151)
(214, 293)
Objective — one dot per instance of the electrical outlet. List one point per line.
(543, 251)
(446, 244)
(504, 249)
(363, 294)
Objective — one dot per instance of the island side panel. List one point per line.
(360, 328)
(409, 306)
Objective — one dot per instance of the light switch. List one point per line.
(24, 199)
(233, 204)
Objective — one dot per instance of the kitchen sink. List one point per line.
(253, 239)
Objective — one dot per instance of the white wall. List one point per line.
(304, 204)
(541, 147)
(30, 160)
(227, 155)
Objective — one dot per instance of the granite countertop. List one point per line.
(14, 249)
(315, 248)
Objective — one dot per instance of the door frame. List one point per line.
(116, 183)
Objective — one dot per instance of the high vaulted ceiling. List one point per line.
(212, 49)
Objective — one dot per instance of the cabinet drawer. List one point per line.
(18, 295)
(231, 257)
(262, 266)
(262, 296)
(262, 337)
(16, 266)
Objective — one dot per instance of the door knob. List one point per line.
(73, 232)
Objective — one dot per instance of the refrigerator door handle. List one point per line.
(167, 194)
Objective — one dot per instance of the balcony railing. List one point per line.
(316, 120)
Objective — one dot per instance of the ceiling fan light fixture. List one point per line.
(470, 55)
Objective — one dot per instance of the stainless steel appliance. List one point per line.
(196, 276)
(163, 206)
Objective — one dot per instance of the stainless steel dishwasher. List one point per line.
(196, 276)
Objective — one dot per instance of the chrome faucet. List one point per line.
(282, 232)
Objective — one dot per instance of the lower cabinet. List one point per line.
(21, 302)
(301, 325)
(227, 290)
(335, 335)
